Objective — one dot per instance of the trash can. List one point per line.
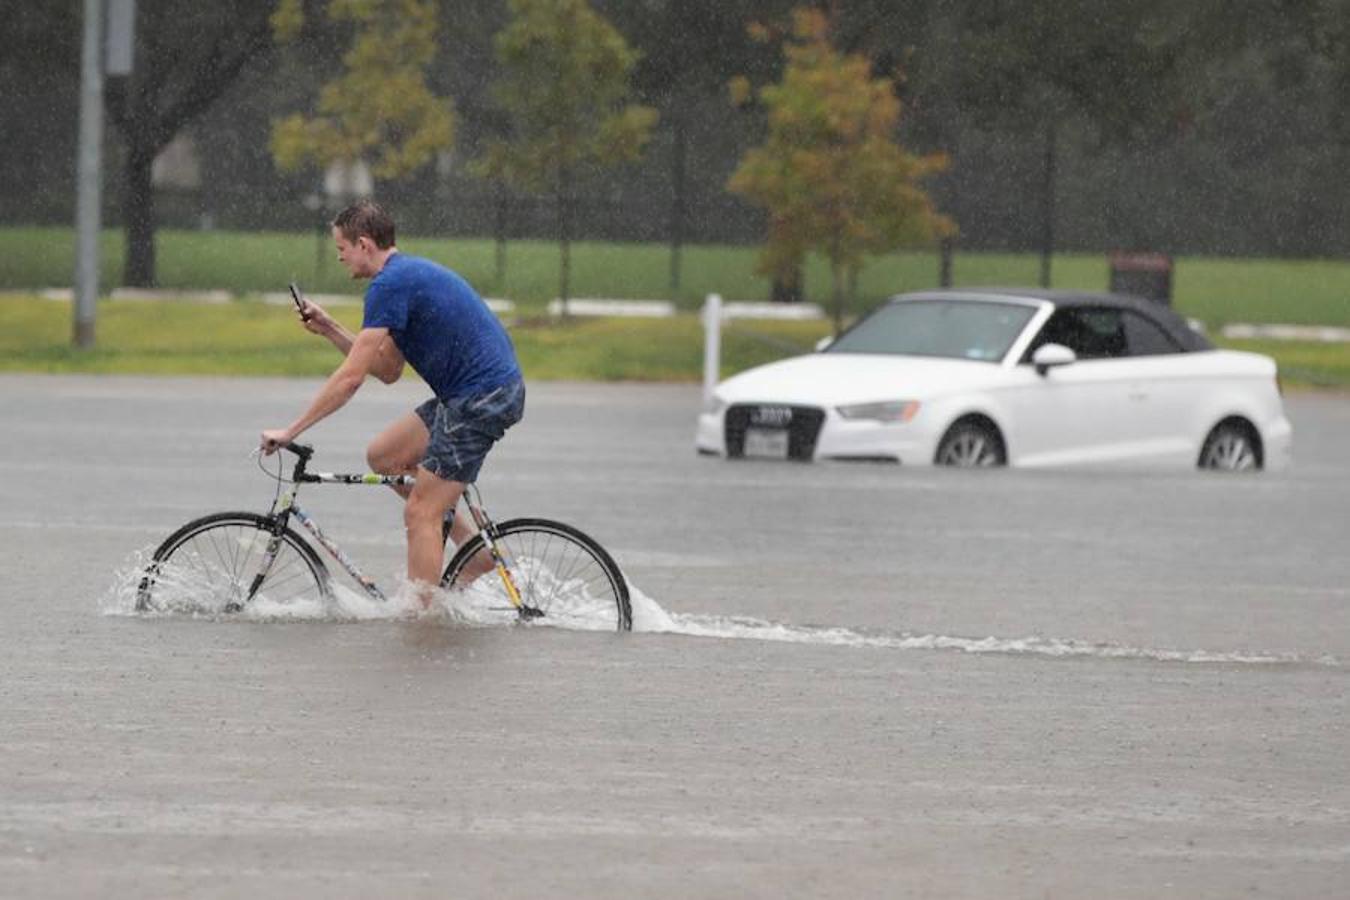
(1147, 275)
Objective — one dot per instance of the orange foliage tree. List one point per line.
(831, 173)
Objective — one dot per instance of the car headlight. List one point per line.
(714, 406)
(887, 411)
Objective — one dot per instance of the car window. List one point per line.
(958, 329)
(1145, 338)
(1090, 332)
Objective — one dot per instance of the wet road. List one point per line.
(1144, 690)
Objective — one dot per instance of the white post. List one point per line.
(712, 345)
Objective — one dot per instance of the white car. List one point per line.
(1009, 377)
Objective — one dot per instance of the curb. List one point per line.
(1325, 334)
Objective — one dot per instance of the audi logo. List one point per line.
(772, 416)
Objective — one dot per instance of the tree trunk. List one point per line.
(786, 286)
(945, 251)
(677, 212)
(500, 228)
(565, 275)
(138, 213)
(565, 236)
(838, 289)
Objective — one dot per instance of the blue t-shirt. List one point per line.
(441, 326)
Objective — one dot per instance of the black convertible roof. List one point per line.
(1163, 316)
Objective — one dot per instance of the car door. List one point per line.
(1162, 395)
(1080, 412)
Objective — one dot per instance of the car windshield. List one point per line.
(956, 329)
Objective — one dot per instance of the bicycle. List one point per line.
(226, 561)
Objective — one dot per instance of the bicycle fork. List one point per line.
(264, 568)
(285, 508)
(489, 532)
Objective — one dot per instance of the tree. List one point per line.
(831, 174)
(690, 48)
(564, 88)
(380, 109)
(187, 55)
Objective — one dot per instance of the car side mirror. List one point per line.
(1051, 356)
(824, 342)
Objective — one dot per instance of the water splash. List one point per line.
(649, 616)
(483, 604)
(200, 589)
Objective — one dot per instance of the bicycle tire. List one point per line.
(559, 570)
(209, 565)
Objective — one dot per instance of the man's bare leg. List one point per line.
(464, 530)
(423, 516)
(399, 449)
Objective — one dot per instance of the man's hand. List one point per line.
(316, 319)
(363, 355)
(275, 438)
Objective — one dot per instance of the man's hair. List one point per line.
(366, 218)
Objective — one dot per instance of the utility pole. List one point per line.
(89, 175)
(89, 189)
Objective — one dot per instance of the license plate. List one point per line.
(770, 442)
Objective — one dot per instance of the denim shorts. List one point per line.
(463, 430)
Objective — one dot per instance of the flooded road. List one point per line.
(847, 680)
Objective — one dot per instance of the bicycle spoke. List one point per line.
(558, 571)
(210, 566)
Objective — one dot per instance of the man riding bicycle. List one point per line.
(421, 313)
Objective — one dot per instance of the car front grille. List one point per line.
(802, 424)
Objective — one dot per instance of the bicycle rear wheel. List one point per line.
(210, 566)
(558, 570)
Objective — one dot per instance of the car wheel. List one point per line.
(1230, 447)
(971, 445)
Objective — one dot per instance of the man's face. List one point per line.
(358, 256)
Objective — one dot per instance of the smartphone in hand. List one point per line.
(299, 304)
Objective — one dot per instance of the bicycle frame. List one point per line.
(287, 505)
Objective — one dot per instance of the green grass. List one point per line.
(1216, 291)
(252, 338)
(1304, 363)
(247, 337)
(159, 338)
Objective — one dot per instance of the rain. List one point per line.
(1108, 673)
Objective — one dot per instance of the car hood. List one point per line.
(840, 378)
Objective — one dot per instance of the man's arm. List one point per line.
(388, 366)
(363, 358)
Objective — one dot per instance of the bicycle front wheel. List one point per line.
(561, 575)
(216, 564)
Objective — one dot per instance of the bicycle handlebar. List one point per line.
(304, 451)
